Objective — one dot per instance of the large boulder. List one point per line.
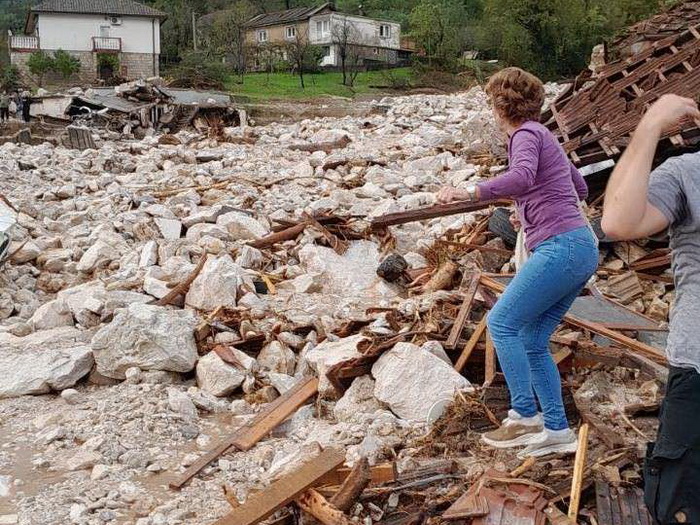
(353, 274)
(322, 357)
(43, 361)
(411, 380)
(241, 226)
(216, 285)
(148, 337)
(53, 314)
(219, 378)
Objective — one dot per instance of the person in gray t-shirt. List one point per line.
(638, 204)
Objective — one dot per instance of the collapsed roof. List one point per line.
(596, 116)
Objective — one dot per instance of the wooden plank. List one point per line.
(603, 503)
(579, 465)
(471, 344)
(320, 508)
(285, 490)
(353, 486)
(249, 434)
(431, 212)
(639, 347)
(463, 314)
(490, 374)
(379, 475)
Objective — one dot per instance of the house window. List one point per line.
(290, 32)
(376, 50)
(385, 31)
(323, 27)
(326, 51)
(262, 35)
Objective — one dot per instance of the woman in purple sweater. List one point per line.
(547, 189)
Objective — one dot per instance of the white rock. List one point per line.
(149, 337)
(358, 400)
(241, 226)
(181, 404)
(217, 377)
(276, 357)
(327, 354)
(216, 285)
(71, 396)
(42, 362)
(24, 253)
(81, 460)
(411, 380)
(53, 314)
(435, 348)
(170, 229)
(149, 254)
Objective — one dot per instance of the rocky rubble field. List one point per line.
(105, 395)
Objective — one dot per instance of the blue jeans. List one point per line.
(527, 314)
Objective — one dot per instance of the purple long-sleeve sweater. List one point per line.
(545, 185)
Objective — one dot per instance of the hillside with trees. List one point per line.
(551, 37)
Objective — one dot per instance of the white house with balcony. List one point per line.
(373, 40)
(103, 34)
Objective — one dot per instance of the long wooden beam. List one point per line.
(431, 212)
(285, 490)
(249, 434)
(637, 346)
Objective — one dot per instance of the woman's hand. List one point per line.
(449, 194)
(515, 221)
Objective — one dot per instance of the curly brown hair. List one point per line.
(516, 94)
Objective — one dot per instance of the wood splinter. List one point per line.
(320, 508)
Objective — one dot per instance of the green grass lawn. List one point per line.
(286, 85)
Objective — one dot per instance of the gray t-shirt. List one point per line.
(674, 188)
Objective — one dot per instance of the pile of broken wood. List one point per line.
(454, 477)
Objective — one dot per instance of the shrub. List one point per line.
(39, 64)
(10, 79)
(199, 71)
(65, 64)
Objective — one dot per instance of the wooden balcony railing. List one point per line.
(105, 44)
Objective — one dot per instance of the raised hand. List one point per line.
(668, 111)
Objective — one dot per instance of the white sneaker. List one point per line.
(515, 431)
(550, 442)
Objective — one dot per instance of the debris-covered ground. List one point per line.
(162, 293)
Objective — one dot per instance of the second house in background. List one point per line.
(366, 40)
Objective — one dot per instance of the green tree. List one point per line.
(554, 37)
(9, 78)
(65, 64)
(226, 36)
(40, 63)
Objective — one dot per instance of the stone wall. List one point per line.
(138, 65)
(134, 66)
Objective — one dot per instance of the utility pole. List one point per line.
(194, 30)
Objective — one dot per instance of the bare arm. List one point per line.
(627, 213)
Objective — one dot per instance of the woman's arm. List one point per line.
(579, 183)
(520, 177)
